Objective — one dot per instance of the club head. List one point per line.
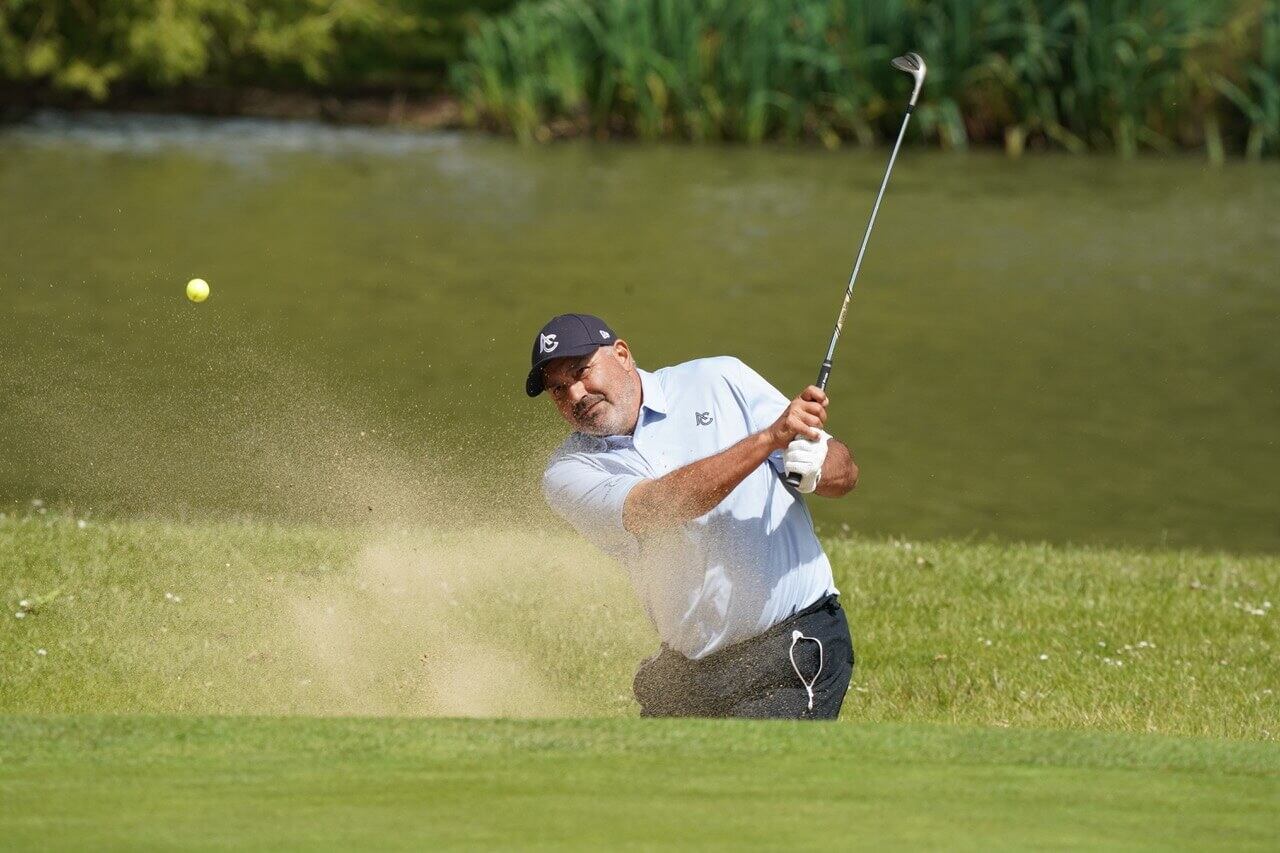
(913, 64)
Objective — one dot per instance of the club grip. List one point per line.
(824, 373)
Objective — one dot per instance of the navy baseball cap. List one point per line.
(565, 336)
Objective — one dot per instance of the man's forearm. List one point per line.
(839, 471)
(694, 489)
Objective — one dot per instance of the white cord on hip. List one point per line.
(796, 637)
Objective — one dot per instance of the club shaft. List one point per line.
(824, 372)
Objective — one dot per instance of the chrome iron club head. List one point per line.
(913, 64)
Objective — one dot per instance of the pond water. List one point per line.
(1052, 348)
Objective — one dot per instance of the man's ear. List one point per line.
(622, 352)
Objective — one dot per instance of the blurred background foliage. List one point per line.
(97, 46)
(1111, 75)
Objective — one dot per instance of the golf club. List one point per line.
(913, 64)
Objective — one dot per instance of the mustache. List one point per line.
(585, 403)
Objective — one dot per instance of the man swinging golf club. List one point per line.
(679, 475)
(691, 477)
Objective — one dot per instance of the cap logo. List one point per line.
(604, 334)
(547, 343)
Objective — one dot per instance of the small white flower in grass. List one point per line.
(25, 604)
(41, 652)
(82, 524)
(21, 614)
(1044, 657)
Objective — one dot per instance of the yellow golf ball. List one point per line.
(197, 290)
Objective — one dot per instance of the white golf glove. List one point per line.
(805, 458)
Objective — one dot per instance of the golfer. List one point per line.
(679, 475)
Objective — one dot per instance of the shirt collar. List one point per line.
(653, 397)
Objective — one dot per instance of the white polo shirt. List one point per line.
(733, 573)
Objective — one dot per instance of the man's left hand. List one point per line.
(805, 458)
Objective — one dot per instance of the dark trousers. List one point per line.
(755, 678)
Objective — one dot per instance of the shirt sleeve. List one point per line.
(591, 500)
(762, 402)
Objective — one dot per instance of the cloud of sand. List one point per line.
(458, 601)
(478, 622)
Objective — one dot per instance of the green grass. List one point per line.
(150, 627)
(249, 618)
(278, 784)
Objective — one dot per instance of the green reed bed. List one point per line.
(1116, 75)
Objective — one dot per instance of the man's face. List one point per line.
(598, 394)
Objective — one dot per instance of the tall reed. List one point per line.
(1119, 75)
(1255, 90)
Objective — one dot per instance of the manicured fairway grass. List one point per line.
(263, 783)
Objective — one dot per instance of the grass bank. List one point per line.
(250, 618)
(283, 784)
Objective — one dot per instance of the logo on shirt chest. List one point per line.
(702, 418)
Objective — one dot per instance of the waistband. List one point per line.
(829, 603)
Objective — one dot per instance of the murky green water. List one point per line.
(1060, 349)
